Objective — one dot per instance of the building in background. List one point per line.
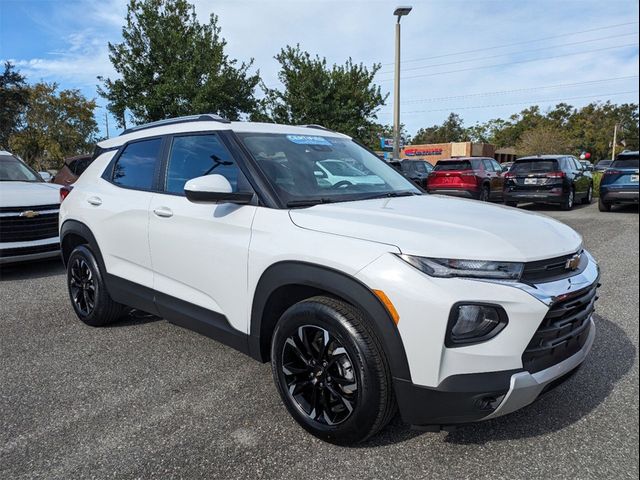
(437, 151)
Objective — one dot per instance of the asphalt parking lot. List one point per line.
(145, 398)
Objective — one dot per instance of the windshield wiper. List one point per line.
(392, 195)
(309, 202)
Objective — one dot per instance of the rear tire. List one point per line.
(567, 204)
(511, 204)
(604, 206)
(87, 290)
(485, 193)
(589, 198)
(331, 371)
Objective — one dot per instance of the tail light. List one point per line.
(509, 176)
(555, 175)
(64, 193)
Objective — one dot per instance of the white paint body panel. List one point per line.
(22, 194)
(214, 255)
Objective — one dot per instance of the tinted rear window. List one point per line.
(137, 163)
(532, 166)
(627, 162)
(453, 165)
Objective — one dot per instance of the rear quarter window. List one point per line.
(136, 165)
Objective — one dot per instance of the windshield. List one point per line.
(453, 165)
(627, 162)
(530, 166)
(13, 170)
(309, 169)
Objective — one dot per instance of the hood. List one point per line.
(28, 194)
(445, 227)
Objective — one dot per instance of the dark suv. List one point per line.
(415, 170)
(557, 179)
(479, 178)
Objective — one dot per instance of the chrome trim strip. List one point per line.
(548, 292)
(526, 387)
(39, 212)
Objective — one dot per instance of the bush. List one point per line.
(597, 177)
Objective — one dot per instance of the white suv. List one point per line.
(365, 297)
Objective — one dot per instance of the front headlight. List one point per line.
(451, 268)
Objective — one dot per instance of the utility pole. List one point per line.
(106, 122)
(615, 141)
(399, 13)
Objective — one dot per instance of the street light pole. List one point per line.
(399, 13)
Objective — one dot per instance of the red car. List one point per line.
(467, 177)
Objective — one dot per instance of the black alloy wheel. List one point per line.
(88, 292)
(319, 374)
(82, 286)
(331, 370)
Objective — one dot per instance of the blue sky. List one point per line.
(518, 52)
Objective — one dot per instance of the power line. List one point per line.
(518, 90)
(510, 53)
(531, 102)
(516, 43)
(515, 62)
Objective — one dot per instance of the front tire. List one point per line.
(87, 290)
(331, 371)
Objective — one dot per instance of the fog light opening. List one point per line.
(474, 322)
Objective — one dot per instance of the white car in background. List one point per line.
(28, 213)
(339, 172)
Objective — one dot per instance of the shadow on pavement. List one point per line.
(31, 270)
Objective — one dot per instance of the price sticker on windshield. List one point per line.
(308, 140)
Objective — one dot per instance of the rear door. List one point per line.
(495, 177)
(119, 210)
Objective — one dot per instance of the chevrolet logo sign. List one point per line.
(29, 214)
(574, 262)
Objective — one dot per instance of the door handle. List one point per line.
(163, 212)
(95, 201)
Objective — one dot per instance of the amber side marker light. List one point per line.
(389, 306)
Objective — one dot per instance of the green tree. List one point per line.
(340, 97)
(451, 130)
(14, 95)
(544, 139)
(55, 125)
(170, 64)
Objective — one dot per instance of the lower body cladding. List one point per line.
(12, 252)
(548, 333)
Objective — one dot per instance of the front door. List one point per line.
(199, 251)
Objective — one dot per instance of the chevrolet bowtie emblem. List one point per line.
(29, 214)
(573, 263)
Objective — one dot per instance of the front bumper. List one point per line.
(482, 396)
(472, 383)
(26, 251)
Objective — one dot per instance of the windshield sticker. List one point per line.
(308, 140)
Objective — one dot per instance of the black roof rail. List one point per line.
(205, 117)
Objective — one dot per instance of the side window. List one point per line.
(496, 166)
(198, 155)
(488, 166)
(136, 165)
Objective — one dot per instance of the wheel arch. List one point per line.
(74, 233)
(286, 283)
